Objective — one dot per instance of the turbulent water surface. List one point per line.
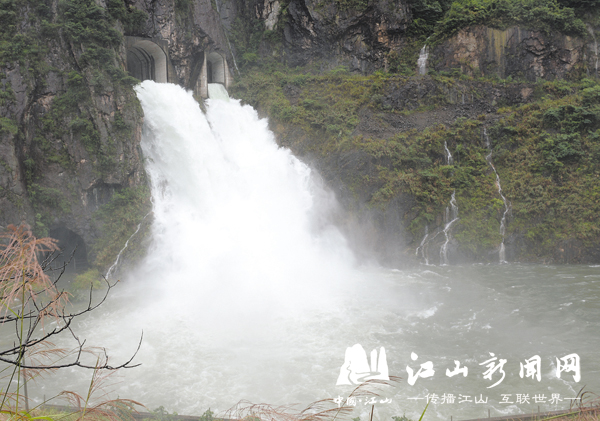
(249, 294)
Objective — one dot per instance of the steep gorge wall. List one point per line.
(70, 120)
(480, 77)
(366, 36)
(324, 33)
(71, 123)
(518, 53)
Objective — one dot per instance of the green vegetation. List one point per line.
(552, 151)
(119, 219)
(546, 152)
(328, 103)
(71, 127)
(133, 19)
(443, 18)
(29, 301)
(546, 15)
(324, 114)
(80, 286)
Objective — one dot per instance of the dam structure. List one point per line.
(149, 59)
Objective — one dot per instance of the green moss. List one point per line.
(84, 21)
(404, 61)
(119, 220)
(551, 156)
(80, 286)
(8, 125)
(49, 197)
(547, 153)
(132, 18)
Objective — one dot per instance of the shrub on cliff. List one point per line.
(545, 15)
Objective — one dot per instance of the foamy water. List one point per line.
(249, 294)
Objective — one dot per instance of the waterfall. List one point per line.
(451, 217)
(247, 293)
(236, 218)
(217, 91)
(421, 247)
(488, 158)
(422, 62)
(449, 159)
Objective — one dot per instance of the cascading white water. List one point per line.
(451, 214)
(422, 61)
(240, 251)
(449, 159)
(451, 218)
(217, 91)
(421, 247)
(488, 158)
(221, 187)
(247, 293)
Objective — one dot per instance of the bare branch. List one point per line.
(28, 295)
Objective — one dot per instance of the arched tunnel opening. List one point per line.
(215, 68)
(146, 60)
(149, 59)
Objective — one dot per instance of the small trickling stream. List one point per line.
(451, 217)
(422, 61)
(488, 158)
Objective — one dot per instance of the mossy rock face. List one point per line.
(70, 121)
(514, 52)
(382, 142)
(125, 226)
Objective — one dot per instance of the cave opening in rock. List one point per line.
(70, 244)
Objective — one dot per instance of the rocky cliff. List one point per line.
(382, 140)
(71, 123)
(353, 33)
(517, 53)
(346, 97)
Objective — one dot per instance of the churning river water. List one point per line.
(248, 293)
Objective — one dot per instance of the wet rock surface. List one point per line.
(515, 52)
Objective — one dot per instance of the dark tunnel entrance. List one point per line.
(70, 244)
(146, 60)
(215, 68)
